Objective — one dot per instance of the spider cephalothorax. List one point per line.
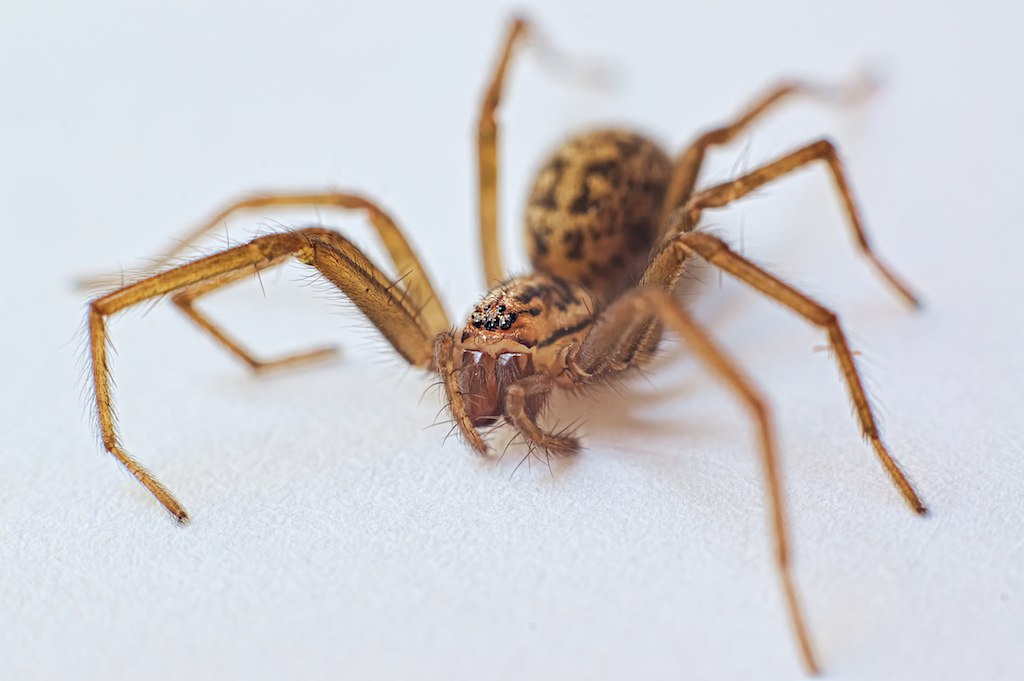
(519, 329)
(612, 223)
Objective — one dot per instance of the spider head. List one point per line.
(517, 330)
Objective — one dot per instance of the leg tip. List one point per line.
(562, 445)
(912, 300)
(478, 445)
(519, 24)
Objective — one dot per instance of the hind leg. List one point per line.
(663, 264)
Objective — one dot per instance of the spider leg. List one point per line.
(821, 150)
(587, 366)
(519, 30)
(487, 156)
(415, 279)
(330, 253)
(688, 165)
(185, 301)
(716, 252)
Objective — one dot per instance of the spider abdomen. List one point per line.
(592, 216)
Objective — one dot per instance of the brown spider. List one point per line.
(611, 226)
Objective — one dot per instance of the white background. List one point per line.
(333, 535)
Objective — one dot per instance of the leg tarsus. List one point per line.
(797, 618)
(898, 477)
(162, 494)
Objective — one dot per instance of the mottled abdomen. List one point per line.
(593, 212)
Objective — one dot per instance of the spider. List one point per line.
(612, 223)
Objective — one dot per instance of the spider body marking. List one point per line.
(595, 210)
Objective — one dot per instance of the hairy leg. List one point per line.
(410, 271)
(688, 164)
(330, 253)
(687, 218)
(716, 252)
(185, 301)
(487, 155)
(616, 324)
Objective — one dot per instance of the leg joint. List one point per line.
(826, 148)
(183, 299)
(706, 245)
(828, 318)
(758, 405)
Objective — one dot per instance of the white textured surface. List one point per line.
(334, 536)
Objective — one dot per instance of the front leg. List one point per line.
(335, 257)
(717, 253)
(615, 331)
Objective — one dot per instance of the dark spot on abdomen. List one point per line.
(607, 187)
(582, 203)
(540, 241)
(607, 169)
(573, 241)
